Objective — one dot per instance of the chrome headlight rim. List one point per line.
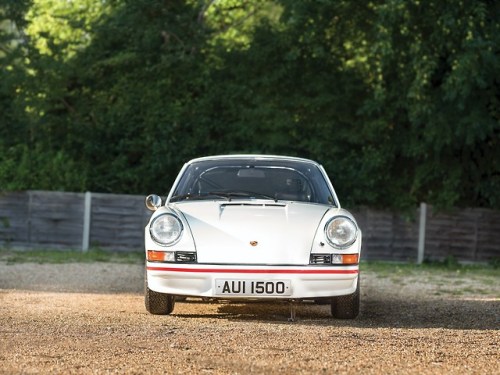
(347, 244)
(159, 241)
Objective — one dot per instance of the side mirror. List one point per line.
(153, 202)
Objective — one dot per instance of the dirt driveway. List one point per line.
(90, 319)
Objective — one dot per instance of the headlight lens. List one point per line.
(341, 231)
(166, 229)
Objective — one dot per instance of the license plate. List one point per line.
(224, 287)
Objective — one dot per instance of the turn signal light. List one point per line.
(160, 256)
(350, 259)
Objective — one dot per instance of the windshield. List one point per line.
(230, 179)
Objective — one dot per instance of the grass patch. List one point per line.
(451, 270)
(475, 291)
(69, 256)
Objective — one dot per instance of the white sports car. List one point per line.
(252, 227)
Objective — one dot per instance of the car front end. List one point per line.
(229, 244)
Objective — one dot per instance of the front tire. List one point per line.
(158, 303)
(346, 307)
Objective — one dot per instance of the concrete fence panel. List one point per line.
(43, 219)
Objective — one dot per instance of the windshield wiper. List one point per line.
(241, 194)
(191, 197)
(221, 194)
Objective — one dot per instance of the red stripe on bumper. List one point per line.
(233, 270)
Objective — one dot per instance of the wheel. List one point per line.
(346, 307)
(158, 303)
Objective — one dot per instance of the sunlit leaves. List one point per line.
(232, 22)
(61, 28)
(398, 99)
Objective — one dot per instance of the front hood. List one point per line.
(252, 232)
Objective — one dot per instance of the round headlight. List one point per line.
(341, 231)
(166, 229)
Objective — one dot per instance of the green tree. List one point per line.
(133, 96)
(33, 83)
(11, 15)
(435, 97)
(398, 99)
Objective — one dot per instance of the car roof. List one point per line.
(254, 157)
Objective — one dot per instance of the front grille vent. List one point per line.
(185, 257)
(224, 205)
(320, 259)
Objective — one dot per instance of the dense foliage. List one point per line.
(400, 100)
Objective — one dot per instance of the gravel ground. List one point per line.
(90, 319)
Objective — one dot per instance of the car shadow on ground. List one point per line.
(463, 314)
(477, 314)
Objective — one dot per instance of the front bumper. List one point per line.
(199, 280)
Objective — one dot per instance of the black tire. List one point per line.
(158, 303)
(346, 307)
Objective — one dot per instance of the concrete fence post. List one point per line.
(86, 221)
(30, 218)
(421, 233)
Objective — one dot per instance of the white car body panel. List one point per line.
(199, 281)
(245, 240)
(224, 231)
